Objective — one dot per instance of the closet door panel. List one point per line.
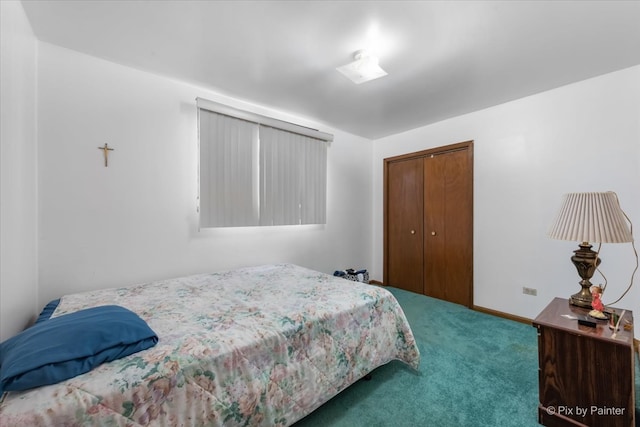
(448, 227)
(459, 214)
(405, 224)
(435, 249)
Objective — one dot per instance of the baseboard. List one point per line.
(482, 309)
(376, 282)
(502, 314)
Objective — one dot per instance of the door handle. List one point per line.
(413, 231)
(433, 233)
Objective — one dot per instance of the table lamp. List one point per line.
(589, 218)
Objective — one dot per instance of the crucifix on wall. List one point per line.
(106, 150)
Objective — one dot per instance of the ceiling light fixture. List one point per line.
(363, 69)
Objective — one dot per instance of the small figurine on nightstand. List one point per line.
(596, 303)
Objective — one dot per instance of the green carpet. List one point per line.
(476, 370)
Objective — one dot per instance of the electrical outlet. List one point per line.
(529, 291)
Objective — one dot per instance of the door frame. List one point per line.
(465, 145)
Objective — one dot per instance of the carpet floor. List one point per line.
(476, 370)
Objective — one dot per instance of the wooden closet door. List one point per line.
(448, 223)
(404, 223)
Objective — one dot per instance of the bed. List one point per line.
(254, 346)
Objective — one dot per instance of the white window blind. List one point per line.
(257, 173)
(228, 193)
(293, 178)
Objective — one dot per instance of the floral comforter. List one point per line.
(255, 346)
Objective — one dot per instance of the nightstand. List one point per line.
(585, 376)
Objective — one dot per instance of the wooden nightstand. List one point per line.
(586, 377)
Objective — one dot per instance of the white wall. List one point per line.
(136, 221)
(527, 154)
(18, 167)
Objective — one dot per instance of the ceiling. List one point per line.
(444, 58)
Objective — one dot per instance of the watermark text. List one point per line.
(583, 411)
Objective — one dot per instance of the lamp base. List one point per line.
(582, 298)
(586, 261)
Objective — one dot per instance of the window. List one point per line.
(255, 170)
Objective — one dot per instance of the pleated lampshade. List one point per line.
(591, 217)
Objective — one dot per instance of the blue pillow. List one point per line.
(56, 349)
